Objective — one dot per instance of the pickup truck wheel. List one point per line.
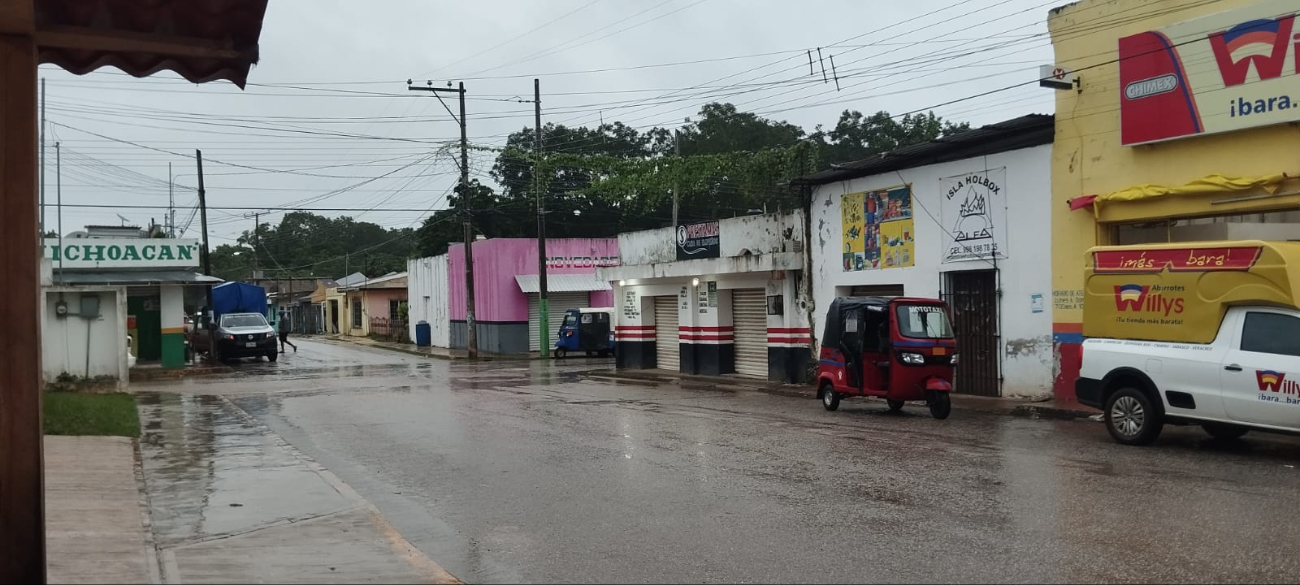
(830, 399)
(1131, 418)
(1226, 432)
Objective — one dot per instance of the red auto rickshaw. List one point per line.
(900, 349)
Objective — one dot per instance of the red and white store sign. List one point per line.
(1223, 72)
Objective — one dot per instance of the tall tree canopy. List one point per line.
(599, 181)
(306, 244)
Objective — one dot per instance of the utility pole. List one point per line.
(544, 318)
(207, 255)
(171, 203)
(257, 221)
(43, 164)
(58, 197)
(467, 216)
(677, 184)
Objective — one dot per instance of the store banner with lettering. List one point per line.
(1226, 71)
(973, 211)
(877, 229)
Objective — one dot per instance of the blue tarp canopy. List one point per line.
(238, 297)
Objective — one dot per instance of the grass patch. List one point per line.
(73, 413)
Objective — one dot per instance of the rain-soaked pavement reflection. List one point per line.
(535, 471)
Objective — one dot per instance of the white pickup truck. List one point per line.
(1201, 333)
(1247, 378)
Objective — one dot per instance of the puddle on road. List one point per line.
(209, 471)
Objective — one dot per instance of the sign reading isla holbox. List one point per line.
(698, 240)
(86, 253)
(1227, 71)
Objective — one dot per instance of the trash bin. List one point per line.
(423, 334)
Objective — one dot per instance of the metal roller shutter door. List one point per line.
(559, 303)
(749, 319)
(667, 343)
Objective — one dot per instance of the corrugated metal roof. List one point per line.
(351, 279)
(562, 283)
(1017, 133)
(202, 40)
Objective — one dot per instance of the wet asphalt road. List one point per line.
(538, 472)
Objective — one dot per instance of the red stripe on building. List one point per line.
(806, 330)
(794, 340)
(707, 337)
(714, 329)
(634, 328)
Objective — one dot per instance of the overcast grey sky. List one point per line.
(349, 121)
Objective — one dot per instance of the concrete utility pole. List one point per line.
(543, 305)
(42, 163)
(171, 203)
(253, 241)
(207, 256)
(471, 341)
(677, 185)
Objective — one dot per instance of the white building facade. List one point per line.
(966, 219)
(714, 298)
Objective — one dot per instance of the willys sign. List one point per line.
(122, 253)
(1227, 71)
(698, 240)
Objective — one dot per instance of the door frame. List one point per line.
(980, 368)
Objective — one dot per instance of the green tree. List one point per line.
(571, 211)
(856, 136)
(306, 244)
(721, 128)
(493, 218)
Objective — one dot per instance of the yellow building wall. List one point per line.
(1088, 158)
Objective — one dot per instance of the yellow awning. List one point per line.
(1204, 186)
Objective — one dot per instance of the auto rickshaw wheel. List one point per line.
(895, 405)
(940, 405)
(830, 399)
(560, 352)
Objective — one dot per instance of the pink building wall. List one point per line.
(496, 262)
(377, 301)
(602, 298)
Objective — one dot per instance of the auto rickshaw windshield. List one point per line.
(570, 319)
(923, 322)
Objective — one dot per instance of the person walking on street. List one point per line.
(285, 327)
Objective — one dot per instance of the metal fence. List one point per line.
(390, 329)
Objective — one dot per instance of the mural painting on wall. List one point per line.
(974, 213)
(878, 231)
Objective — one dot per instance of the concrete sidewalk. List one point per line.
(407, 348)
(1009, 406)
(1050, 408)
(412, 349)
(231, 501)
(96, 527)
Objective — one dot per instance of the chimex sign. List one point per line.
(122, 253)
(1227, 71)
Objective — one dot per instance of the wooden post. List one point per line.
(22, 501)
